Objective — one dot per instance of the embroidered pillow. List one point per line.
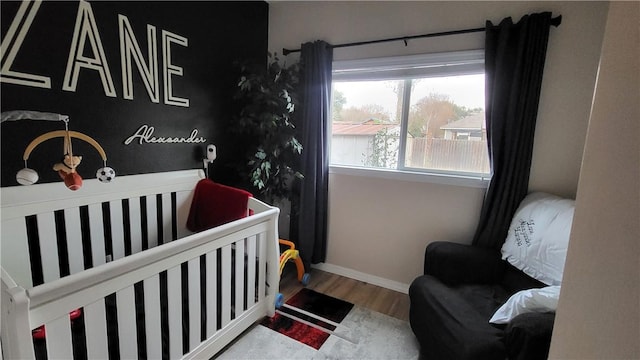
(538, 237)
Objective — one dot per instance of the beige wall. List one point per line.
(598, 314)
(380, 227)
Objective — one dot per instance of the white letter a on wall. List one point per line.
(86, 30)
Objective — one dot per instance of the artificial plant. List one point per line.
(267, 97)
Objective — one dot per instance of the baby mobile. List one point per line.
(66, 168)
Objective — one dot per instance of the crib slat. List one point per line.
(175, 312)
(167, 220)
(152, 221)
(135, 223)
(97, 234)
(15, 253)
(183, 205)
(48, 247)
(152, 317)
(239, 271)
(194, 303)
(212, 290)
(74, 240)
(96, 330)
(125, 300)
(117, 229)
(59, 339)
(251, 271)
(262, 248)
(225, 315)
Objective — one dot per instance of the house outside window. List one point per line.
(421, 113)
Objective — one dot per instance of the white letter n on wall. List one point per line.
(86, 29)
(129, 49)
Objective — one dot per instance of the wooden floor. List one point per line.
(360, 293)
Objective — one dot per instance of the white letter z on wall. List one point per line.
(12, 43)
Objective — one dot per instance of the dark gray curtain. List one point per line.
(315, 83)
(514, 62)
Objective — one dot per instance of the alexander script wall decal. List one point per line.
(144, 135)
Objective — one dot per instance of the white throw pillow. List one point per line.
(525, 301)
(553, 249)
(538, 237)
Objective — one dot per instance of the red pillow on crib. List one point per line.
(216, 204)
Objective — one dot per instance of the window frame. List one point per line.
(406, 68)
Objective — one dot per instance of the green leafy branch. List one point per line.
(268, 98)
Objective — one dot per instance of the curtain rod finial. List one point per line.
(556, 21)
(286, 52)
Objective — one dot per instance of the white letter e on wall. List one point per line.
(170, 69)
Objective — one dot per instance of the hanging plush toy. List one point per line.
(67, 171)
(67, 165)
(67, 168)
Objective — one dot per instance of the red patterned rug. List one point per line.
(316, 303)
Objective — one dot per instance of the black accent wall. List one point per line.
(218, 34)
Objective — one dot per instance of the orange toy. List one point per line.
(292, 254)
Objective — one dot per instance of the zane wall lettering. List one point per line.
(144, 135)
(86, 33)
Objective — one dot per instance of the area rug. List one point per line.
(313, 302)
(373, 336)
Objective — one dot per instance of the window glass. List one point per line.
(387, 116)
(366, 123)
(446, 127)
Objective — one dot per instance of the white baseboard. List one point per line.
(368, 278)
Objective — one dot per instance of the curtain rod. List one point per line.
(556, 21)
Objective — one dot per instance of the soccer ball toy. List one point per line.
(105, 174)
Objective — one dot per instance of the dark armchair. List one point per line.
(464, 285)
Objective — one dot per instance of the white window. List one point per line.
(421, 113)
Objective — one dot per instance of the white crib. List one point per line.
(120, 252)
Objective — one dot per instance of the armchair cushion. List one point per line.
(454, 263)
(528, 336)
(451, 322)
